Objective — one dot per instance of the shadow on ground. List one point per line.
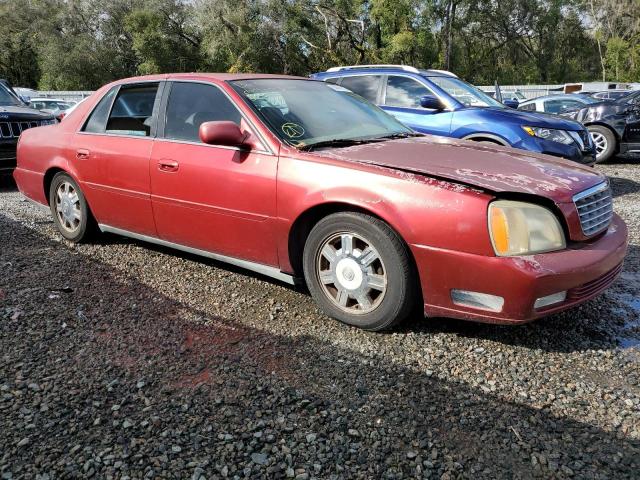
(623, 186)
(127, 372)
(570, 331)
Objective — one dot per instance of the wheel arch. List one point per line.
(304, 223)
(487, 137)
(608, 127)
(48, 178)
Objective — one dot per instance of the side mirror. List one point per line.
(511, 103)
(431, 102)
(221, 133)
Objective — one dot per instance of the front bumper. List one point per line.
(583, 154)
(583, 270)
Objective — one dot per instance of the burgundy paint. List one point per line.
(221, 133)
(244, 202)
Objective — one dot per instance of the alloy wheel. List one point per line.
(67, 203)
(600, 142)
(351, 273)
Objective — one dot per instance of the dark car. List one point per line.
(15, 117)
(299, 179)
(439, 103)
(614, 125)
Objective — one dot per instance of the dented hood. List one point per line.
(493, 168)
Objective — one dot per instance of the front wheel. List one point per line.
(604, 141)
(359, 271)
(69, 208)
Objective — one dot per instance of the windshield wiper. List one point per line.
(346, 142)
(399, 135)
(337, 142)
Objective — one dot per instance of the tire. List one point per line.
(70, 211)
(605, 142)
(359, 271)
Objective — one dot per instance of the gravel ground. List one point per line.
(121, 360)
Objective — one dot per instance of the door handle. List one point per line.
(82, 154)
(166, 165)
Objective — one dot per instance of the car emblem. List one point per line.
(292, 130)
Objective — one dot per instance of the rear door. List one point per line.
(632, 128)
(111, 155)
(211, 197)
(401, 97)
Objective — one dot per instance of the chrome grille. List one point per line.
(595, 208)
(14, 129)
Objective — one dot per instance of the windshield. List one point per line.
(465, 93)
(307, 112)
(6, 98)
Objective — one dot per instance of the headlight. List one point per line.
(560, 136)
(520, 228)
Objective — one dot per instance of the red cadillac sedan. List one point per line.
(302, 180)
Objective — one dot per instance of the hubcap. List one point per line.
(600, 142)
(351, 273)
(67, 205)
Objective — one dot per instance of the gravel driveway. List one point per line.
(122, 360)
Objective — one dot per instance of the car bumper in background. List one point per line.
(584, 157)
(7, 157)
(582, 271)
(583, 154)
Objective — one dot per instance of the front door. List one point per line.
(214, 198)
(401, 98)
(111, 157)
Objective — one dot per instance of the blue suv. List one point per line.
(439, 103)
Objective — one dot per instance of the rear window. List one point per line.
(98, 119)
(132, 111)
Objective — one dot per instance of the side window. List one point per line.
(98, 119)
(529, 107)
(559, 106)
(404, 92)
(364, 85)
(191, 104)
(132, 111)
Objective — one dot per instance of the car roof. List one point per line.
(381, 68)
(616, 90)
(207, 76)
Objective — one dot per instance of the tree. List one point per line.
(164, 38)
(82, 44)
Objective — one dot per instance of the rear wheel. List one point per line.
(359, 271)
(69, 208)
(604, 141)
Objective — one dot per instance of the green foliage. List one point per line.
(82, 44)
